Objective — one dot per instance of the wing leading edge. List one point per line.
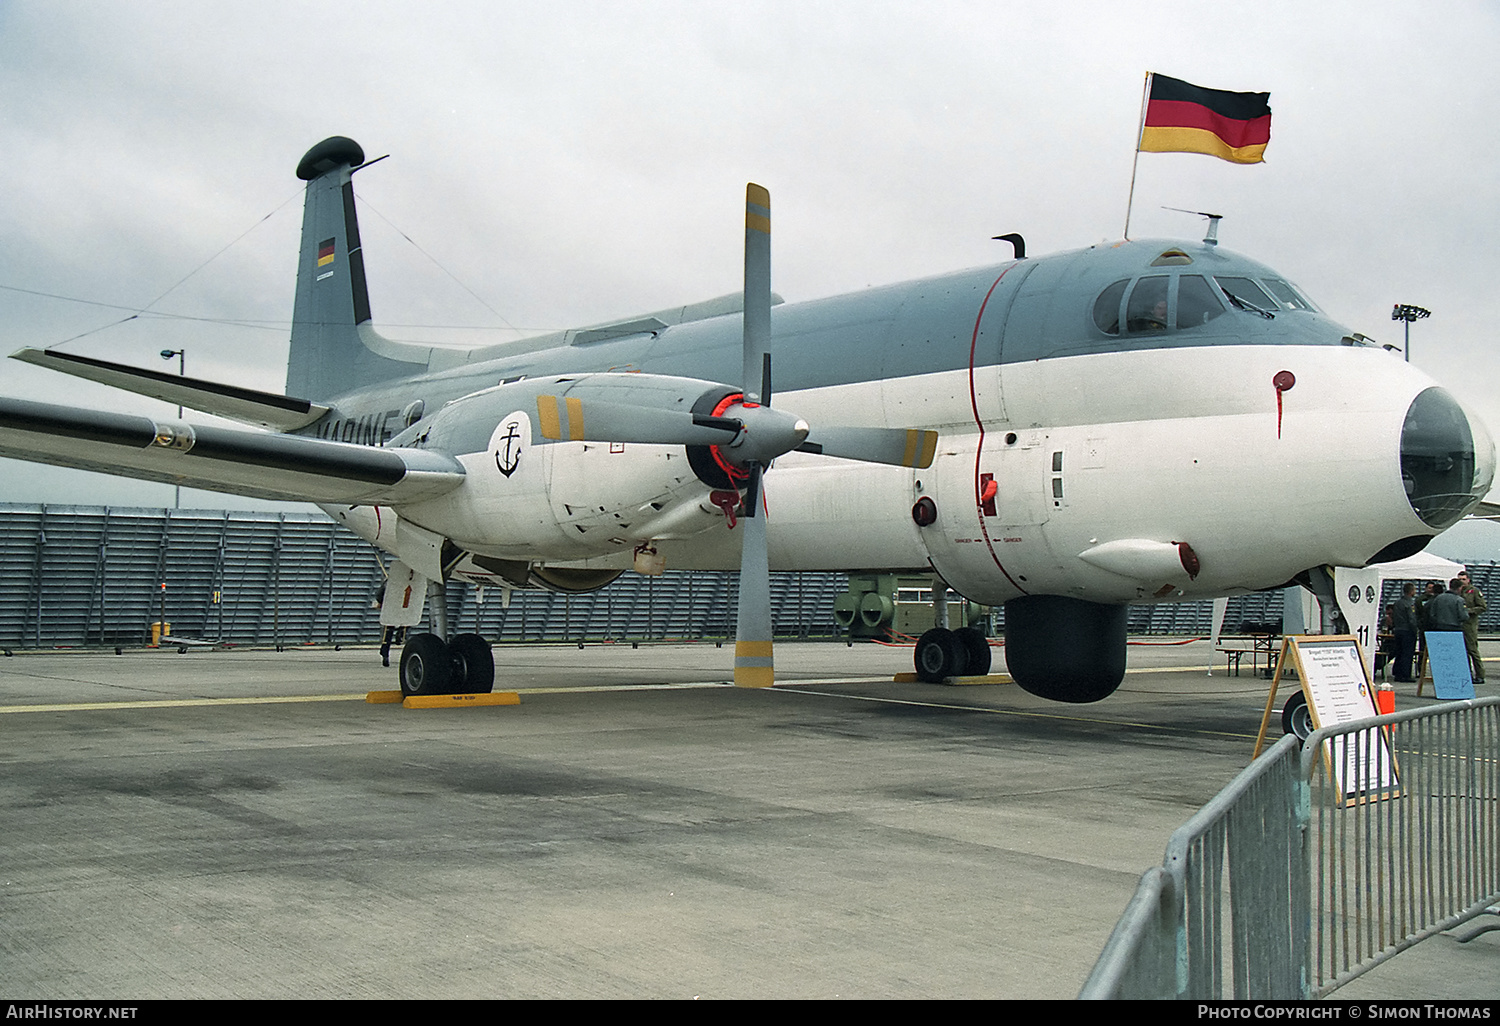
(241, 462)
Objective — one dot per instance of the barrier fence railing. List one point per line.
(1413, 848)
(1319, 862)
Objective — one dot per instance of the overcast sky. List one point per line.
(567, 163)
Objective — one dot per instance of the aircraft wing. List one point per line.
(235, 460)
(266, 409)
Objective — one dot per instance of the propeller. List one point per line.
(748, 433)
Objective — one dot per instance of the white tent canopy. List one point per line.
(1424, 566)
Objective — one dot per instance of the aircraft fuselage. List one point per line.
(1202, 449)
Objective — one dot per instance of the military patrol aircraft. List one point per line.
(1144, 421)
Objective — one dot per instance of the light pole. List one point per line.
(181, 354)
(1408, 313)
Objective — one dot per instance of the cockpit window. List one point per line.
(1248, 293)
(1287, 298)
(1107, 308)
(1147, 309)
(1197, 304)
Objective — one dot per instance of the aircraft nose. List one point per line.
(1447, 458)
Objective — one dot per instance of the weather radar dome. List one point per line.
(329, 154)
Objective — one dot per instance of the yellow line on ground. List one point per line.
(596, 688)
(177, 703)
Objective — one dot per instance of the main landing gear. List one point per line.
(431, 666)
(942, 653)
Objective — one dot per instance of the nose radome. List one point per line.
(1447, 459)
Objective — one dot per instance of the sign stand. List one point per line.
(1336, 682)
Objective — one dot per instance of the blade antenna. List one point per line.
(754, 664)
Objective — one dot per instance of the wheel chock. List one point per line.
(460, 701)
(442, 701)
(989, 678)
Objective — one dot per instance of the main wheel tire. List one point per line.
(426, 666)
(976, 648)
(1296, 717)
(940, 655)
(473, 665)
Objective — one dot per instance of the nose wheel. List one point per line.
(1296, 718)
(431, 666)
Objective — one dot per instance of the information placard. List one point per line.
(1336, 683)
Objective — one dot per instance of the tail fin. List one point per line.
(335, 350)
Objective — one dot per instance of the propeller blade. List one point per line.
(900, 447)
(571, 419)
(756, 374)
(754, 665)
(753, 434)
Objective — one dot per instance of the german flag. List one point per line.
(325, 252)
(1184, 118)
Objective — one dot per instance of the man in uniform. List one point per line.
(1404, 629)
(1475, 604)
(1424, 624)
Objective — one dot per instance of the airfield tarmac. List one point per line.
(228, 824)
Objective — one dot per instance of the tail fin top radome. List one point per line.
(335, 350)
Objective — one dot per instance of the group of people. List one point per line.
(1454, 608)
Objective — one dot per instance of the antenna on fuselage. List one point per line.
(1018, 243)
(1212, 238)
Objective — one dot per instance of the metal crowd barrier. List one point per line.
(1415, 848)
(1305, 872)
(1191, 925)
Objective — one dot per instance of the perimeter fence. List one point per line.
(92, 575)
(1319, 862)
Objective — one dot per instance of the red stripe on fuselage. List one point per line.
(979, 421)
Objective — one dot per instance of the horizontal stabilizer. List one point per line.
(235, 460)
(265, 409)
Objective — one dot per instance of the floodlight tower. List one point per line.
(181, 354)
(1408, 313)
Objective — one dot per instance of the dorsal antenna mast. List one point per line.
(1212, 238)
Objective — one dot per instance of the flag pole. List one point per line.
(1139, 128)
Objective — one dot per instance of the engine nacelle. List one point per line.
(528, 496)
